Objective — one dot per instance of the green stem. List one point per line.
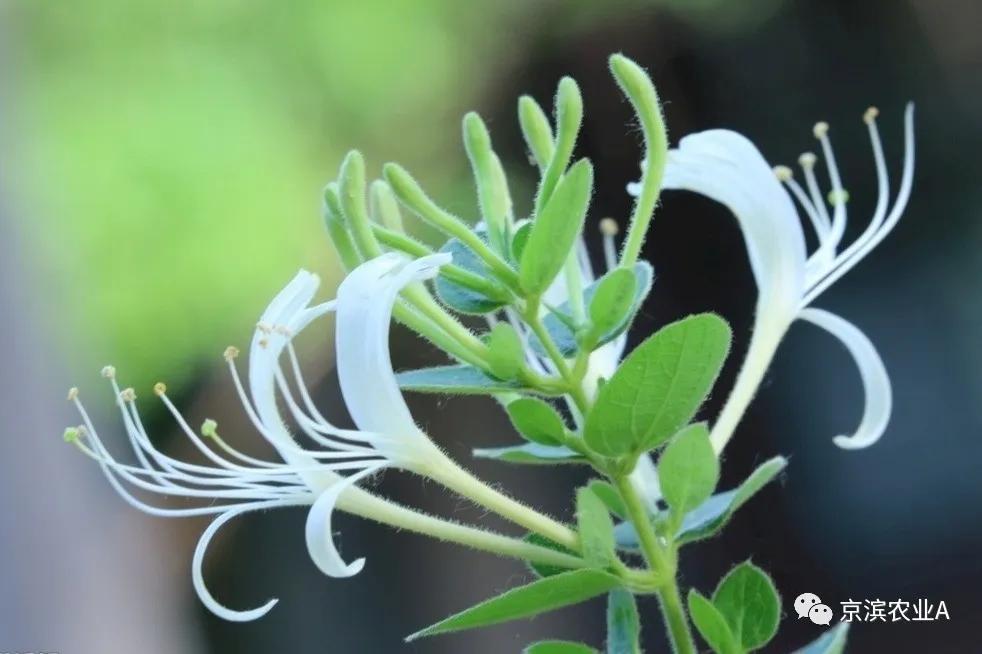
(663, 564)
(362, 503)
(575, 389)
(445, 471)
(675, 620)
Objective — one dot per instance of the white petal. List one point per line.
(197, 562)
(728, 168)
(876, 382)
(268, 342)
(320, 539)
(644, 478)
(364, 314)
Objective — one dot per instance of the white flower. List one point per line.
(234, 483)
(726, 167)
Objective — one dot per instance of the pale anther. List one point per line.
(159, 388)
(807, 160)
(72, 393)
(609, 227)
(783, 173)
(821, 129)
(128, 395)
(231, 352)
(870, 115)
(109, 372)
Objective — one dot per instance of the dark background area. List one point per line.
(896, 521)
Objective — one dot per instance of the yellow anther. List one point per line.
(783, 173)
(231, 352)
(807, 160)
(72, 393)
(609, 227)
(159, 388)
(109, 372)
(870, 115)
(820, 129)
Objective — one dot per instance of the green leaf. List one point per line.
(531, 453)
(659, 386)
(506, 356)
(832, 641)
(747, 599)
(709, 518)
(711, 625)
(688, 470)
(461, 298)
(561, 330)
(555, 230)
(538, 597)
(596, 528)
(537, 421)
(520, 239)
(623, 623)
(458, 379)
(609, 496)
(613, 300)
(544, 569)
(558, 647)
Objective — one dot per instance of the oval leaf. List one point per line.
(688, 470)
(555, 230)
(623, 623)
(459, 379)
(746, 597)
(537, 421)
(596, 528)
(711, 625)
(461, 298)
(659, 386)
(612, 302)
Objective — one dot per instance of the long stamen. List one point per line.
(880, 226)
(786, 175)
(838, 196)
(807, 163)
(609, 229)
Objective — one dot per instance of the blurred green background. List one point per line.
(160, 175)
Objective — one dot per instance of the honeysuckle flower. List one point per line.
(233, 483)
(728, 168)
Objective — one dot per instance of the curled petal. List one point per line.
(320, 539)
(728, 168)
(364, 314)
(197, 562)
(876, 382)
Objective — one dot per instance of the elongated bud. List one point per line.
(640, 91)
(385, 207)
(569, 116)
(492, 186)
(336, 230)
(536, 130)
(354, 205)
